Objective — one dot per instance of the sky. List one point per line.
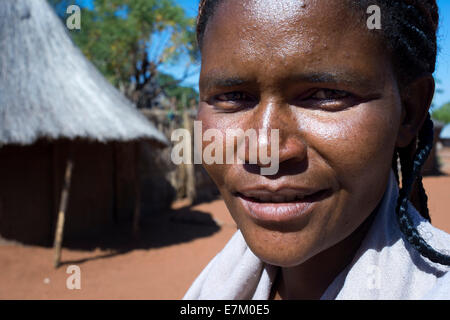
(443, 62)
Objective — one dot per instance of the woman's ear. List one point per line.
(416, 101)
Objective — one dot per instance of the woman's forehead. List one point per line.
(284, 15)
(267, 11)
(315, 37)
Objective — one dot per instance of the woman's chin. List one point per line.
(282, 260)
(283, 250)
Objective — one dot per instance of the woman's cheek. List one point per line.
(354, 141)
(219, 123)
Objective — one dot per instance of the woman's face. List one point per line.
(311, 70)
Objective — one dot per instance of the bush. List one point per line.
(442, 114)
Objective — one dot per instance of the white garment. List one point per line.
(385, 266)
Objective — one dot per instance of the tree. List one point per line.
(183, 95)
(442, 114)
(128, 40)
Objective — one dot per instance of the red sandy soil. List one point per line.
(170, 252)
(158, 272)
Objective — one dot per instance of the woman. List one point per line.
(348, 101)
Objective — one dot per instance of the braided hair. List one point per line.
(409, 30)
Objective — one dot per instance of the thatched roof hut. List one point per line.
(54, 104)
(49, 89)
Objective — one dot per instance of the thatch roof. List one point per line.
(48, 89)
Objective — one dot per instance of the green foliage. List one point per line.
(127, 40)
(183, 95)
(442, 114)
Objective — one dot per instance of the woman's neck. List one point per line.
(311, 279)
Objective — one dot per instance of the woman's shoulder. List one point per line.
(432, 277)
(440, 290)
(234, 273)
(438, 239)
(387, 266)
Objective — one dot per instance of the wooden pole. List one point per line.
(62, 213)
(190, 169)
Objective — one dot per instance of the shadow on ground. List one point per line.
(163, 229)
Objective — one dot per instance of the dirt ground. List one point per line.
(161, 263)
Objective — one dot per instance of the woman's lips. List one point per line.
(282, 206)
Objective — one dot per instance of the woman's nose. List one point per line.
(279, 139)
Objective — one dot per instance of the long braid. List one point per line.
(423, 198)
(409, 31)
(425, 144)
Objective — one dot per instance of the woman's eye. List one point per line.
(330, 94)
(233, 101)
(327, 100)
(233, 97)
